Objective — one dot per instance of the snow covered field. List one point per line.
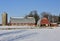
(30, 35)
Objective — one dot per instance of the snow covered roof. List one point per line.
(16, 17)
(22, 20)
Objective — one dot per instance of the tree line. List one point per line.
(49, 16)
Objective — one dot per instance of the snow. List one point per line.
(16, 27)
(30, 35)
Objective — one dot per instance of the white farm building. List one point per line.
(20, 21)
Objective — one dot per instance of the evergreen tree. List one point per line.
(35, 15)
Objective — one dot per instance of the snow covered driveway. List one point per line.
(30, 35)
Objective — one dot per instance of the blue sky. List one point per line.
(21, 8)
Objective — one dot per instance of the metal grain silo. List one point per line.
(4, 19)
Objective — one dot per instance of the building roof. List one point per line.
(22, 20)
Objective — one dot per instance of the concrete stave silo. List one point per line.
(4, 19)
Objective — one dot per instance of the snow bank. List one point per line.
(25, 27)
(16, 27)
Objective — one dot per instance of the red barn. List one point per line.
(44, 22)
